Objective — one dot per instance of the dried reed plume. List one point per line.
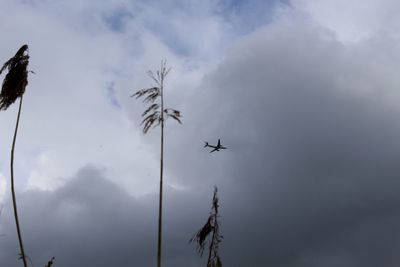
(16, 79)
(211, 227)
(13, 87)
(153, 116)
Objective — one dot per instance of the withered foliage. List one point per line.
(149, 120)
(153, 116)
(151, 94)
(173, 113)
(16, 80)
(210, 229)
(200, 237)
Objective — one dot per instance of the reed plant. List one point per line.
(156, 114)
(13, 88)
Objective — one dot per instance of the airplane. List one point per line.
(216, 148)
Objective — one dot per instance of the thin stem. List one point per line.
(21, 246)
(210, 249)
(161, 173)
(213, 241)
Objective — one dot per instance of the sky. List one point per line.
(304, 93)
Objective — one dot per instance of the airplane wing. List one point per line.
(215, 149)
(219, 143)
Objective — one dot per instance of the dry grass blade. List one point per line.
(173, 113)
(201, 236)
(151, 97)
(146, 91)
(176, 118)
(153, 107)
(150, 120)
(16, 80)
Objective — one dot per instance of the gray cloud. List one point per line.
(90, 221)
(310, 177)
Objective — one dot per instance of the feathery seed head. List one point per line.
(16, 80)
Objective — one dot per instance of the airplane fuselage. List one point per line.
(216, 148)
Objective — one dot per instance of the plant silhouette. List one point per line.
(155, 115)
(13, 87)
(211, 227)
(50, 262)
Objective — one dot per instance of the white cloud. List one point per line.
(353, 20)
(69, 118)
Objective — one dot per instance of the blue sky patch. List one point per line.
(111, 95)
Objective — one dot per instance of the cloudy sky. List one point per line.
(304, 93)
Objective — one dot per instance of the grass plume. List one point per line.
(13, 87)
(16, 79)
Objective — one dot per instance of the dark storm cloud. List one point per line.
(92, 222)
(311, 175)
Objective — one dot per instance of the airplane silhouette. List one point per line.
(216, 148)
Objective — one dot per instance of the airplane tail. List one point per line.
(206, 144)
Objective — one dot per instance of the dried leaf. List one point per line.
(149, 120)
(173, 113)
(145, 91)
(201, 235)
(153, 107)
(176, 118)
(151, 97)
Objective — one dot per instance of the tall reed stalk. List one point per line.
(13, 87)
(155, 115)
